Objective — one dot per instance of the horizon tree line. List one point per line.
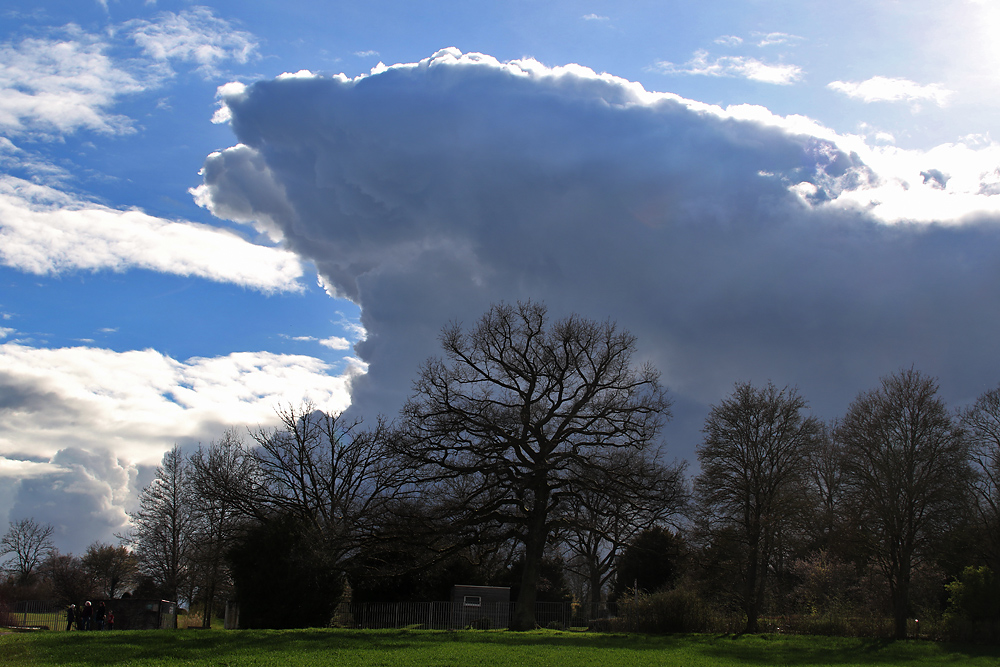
(530, 452)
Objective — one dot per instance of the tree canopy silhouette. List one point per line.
(518, 414)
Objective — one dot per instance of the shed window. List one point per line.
(473, 601)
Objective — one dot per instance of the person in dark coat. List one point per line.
(86, 615)
(70, 617)
(100, 615)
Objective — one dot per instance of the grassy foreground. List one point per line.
(405, 648)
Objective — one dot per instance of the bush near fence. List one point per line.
(444, 615)
(682, 610)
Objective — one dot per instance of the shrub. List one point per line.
(282, 577)
(484, 623)
(6, 620)
(973, 606)
(665, 612)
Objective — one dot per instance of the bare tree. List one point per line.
(215, 520)
(26, 543)
(161, 533)
(328, 473)
(905, 471)
(112, 568)
(982, 422)
(826, 529)
(617, 504)
(509, 425)
(754, 462)
(70, 581)
(326, 477)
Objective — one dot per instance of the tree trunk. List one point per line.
(595, 592)
(534, 548)
(206, 616)
(751, 601)
(900, 607)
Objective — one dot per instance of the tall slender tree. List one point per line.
(752, 483)
(982, 423)
(906, 473)
(162, 528)
(215, 521)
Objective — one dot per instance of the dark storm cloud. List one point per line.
(426, 193)
(82, 494)
(22, 394)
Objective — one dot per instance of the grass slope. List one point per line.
(404, 648)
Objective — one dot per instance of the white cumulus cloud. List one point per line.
(889, 89)
(336, 343)
(76, 422)
(46, 231)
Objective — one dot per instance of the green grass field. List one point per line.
(403, 648)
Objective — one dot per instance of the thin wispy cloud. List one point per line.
(333, 342)
(59, 85)
(744, 67)
(366, 54)
(890, 89)
(595, 17)
(729, 40)
(67, 81)
(194, 35)
(775, 38)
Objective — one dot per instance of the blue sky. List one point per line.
(209, 210)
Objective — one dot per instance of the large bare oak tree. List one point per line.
(518, 414)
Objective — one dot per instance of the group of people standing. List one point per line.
(89, 618)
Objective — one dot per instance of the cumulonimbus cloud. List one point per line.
(737, 245)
